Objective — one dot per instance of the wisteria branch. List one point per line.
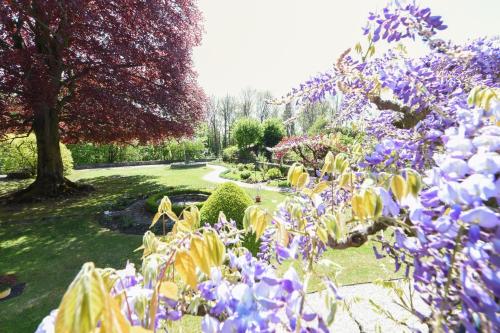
(359, 235)
(410, 119)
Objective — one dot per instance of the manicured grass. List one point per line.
(46, 243)
(47, 254)
(119, 185)
(351, 266)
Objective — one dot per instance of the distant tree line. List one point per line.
(224, 113)
(244, 125)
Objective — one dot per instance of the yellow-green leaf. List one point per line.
(184, 264)
(398, 187)
(345, 180)
(182, 226)
(165, 205)
(483, 96)
(169, 289)
(262, 221)
(322, 234)
(112, 319)
(249, 217)
(320, 187)
(328, 166)
(357, 206)
(172, 215)
(302, 180)
(108, 276)
(83, 303)
(139, 329)
(340, 163)
(155, 219)
(216, 249)
(282, 236)
(294, 172)
(413, 181)
(200, 254)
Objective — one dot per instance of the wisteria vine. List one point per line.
(428, 174)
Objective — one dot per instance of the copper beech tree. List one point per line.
(96, 70)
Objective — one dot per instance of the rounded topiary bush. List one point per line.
(228, 198)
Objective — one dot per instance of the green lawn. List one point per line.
(46, 243)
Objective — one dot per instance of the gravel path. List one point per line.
(213, 176)
(363, 312)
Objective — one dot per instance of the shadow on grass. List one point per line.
(112, 192)
(46, 243)
(47, 256)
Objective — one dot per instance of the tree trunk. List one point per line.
(50, 180)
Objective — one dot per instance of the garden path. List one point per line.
(363, 311)
(214, 177)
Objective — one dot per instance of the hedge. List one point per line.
(152, 202)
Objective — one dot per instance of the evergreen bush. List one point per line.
(228, 198)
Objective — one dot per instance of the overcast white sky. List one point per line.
(276, 44)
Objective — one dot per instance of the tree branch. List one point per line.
(87, 70)
(410, 119)
(359, 235)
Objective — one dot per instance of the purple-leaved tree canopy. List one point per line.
(96, 71)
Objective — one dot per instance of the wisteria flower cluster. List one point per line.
(260, 302)
(402, 97)
(397, 22)
(452, 240)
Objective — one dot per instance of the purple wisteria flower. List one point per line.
(457, 226)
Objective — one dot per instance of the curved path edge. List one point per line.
(214, 177)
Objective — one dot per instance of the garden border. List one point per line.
(135, 163)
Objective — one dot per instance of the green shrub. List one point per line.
(20, 155)
(247, 132)
(256, 177)
(251, 243)
(152, 202)
(273, 173)
(246, 155)
(230, 174)
(273, 132)
(320, 126)
(250, 166)
(283, 183)
(245, 174)
(184, 150)
(228, 198)
(230, 154)
(87, 153)
(240, 166)
(262, 163)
